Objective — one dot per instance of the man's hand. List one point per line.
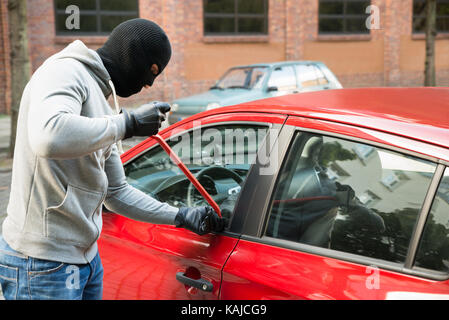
(145, 120)
(200, 220)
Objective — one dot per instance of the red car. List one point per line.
(339, 194)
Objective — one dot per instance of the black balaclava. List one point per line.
(130, 51)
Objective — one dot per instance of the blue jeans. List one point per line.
(27, 278)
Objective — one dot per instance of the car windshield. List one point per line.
(246, 78)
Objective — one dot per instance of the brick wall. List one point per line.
(391, 56)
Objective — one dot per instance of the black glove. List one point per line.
(145, 120)
(200, 220)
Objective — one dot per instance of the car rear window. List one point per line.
(349, 196)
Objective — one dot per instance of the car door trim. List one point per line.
(235, 228)
(422, 217)
(370, 142)
(248, 210)
(285, 138)
(425, 207)
(256, 219)
(347, 257)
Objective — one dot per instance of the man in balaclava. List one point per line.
(130, 52)
(67, 165)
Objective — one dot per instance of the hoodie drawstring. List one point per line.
(118, 110)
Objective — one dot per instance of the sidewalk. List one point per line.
(5, 128)
(5, 165)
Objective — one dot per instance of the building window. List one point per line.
(368, 198)
(364, 152)
(419, 16)
(343, 16)
(96, 17)
(235, 17)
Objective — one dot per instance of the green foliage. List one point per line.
(333, 151)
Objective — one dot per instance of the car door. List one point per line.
(349, 214)
(149, 261)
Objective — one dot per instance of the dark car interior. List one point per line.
(222, 176)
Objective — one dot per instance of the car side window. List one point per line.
(283, 78)
(433, 252)
(307, 76)
(348, 196)
(257, 77)
(220, 157)
(321, 78)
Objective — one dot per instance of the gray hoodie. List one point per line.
(66, 163)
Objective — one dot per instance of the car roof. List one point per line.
(417, 113)
(277, 64)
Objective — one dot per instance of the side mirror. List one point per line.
(269, 89)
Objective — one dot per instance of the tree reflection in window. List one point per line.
(353, 213)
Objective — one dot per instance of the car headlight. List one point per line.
(213, 105)
(174, 107)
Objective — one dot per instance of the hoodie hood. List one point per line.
(79, 51)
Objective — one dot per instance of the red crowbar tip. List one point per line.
(174, 157)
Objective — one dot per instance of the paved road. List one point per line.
(4, 132)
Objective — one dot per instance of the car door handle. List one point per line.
(201, 284)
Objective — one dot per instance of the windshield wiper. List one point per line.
(216, 87)
(237, 87)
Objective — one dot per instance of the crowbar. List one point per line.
(174, 157)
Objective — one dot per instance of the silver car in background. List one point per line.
(257, 81)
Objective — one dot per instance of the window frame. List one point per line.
(274, 69)
(234, 227)
(236, 15)
(97, 13)
(423, 15)
(428, 223)
(255, 225)
(343, 16)
(316, 70)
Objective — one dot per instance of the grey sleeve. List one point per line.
(56, 128)
(128, 201)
